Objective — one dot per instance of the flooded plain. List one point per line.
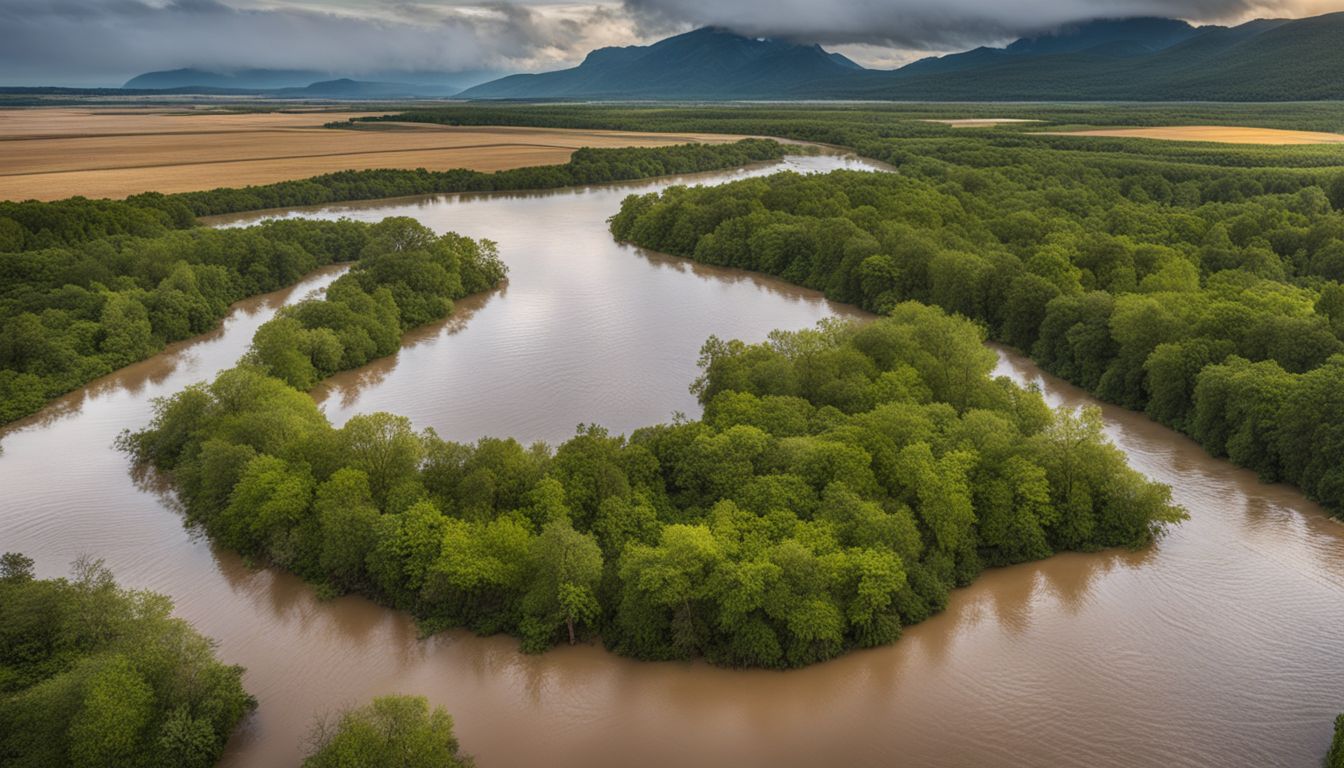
(1222, 645)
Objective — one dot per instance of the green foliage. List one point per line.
(585, 166)
(95, 675)
(842, 481)
(1335, 758)
(73, 312)
(391, 732)
(405, 277)
(1149, 299)
(89, 286)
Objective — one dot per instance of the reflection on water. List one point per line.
(1220, 646)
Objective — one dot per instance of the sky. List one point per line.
(105, 42)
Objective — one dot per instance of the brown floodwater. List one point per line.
(1222, 645)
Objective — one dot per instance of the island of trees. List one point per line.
(841, 483)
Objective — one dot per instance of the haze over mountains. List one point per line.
(1128, 59)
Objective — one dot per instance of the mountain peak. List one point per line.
(704, 63)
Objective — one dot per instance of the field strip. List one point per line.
(352, 153)
(49, 154)
(1219, 134)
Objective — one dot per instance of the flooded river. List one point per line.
(1223, 645)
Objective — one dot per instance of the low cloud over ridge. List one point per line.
(937, 24)
(103, 42)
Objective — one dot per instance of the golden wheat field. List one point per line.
(52, 153)
(1222, 134)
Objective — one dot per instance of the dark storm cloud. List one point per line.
(106, 41)
(922, 24)
(103, 42)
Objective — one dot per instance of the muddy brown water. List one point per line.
(1222, 645)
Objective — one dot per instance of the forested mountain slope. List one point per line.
(705, 63)
(1127, 59)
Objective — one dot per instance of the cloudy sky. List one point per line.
(104, 42)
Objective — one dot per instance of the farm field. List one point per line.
(1222, 134)
(49, 154)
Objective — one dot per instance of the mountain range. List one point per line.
(1141, 59)
(302, 83)
(1132, 59)
(705, 63)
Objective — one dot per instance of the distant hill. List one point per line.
(1140, 59)
(707, 63)
(311, 83)
(1265, 60)
(345, 88)
(244, 79)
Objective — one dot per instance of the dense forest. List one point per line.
(89, 286)
(95, 675)
(391, 732)
(1198, 282)
(841, 483)
(406, 276)
(1220, 318)
(70, 314)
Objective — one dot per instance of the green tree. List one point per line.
(384, 447)
(16, 568)
(391, 732)
(349, 521)
(567, 566)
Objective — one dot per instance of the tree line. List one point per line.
(92, 675)
(1219, 315)
(70, 314)
(34, 225)
(842, 481)
(406, 276)
(585, 166)
(89, 286)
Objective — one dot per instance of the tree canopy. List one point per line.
(1218, 316)
(89, 286)
(390, 732)
(92, 674)
(841, 482)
